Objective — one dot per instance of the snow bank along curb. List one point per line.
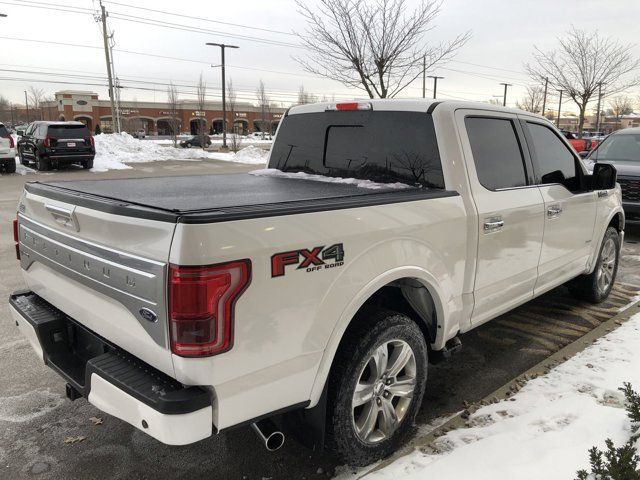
(459, 420)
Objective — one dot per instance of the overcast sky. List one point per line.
(504, 33)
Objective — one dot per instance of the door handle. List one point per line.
(554, 211)
(493, 225)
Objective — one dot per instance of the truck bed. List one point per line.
(216, 198)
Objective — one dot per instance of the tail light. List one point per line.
(16, 237)
(201, 306)
(92, 141)
(47, 141)
(12, 143)
(347, 106)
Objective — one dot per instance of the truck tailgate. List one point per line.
(106, 271)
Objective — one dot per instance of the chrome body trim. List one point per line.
(139, 284)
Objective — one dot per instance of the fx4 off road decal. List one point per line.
(313, 260)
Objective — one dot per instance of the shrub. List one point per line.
(618, 463)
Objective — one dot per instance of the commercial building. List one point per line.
(157, 117)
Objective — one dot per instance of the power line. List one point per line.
(201, 19)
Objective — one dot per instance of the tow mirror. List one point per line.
(604, 176)
(20, 133)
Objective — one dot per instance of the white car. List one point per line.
(140, 134)
(190, 305)
(7, 150)
(260, 135)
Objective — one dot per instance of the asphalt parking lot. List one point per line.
(43, 435)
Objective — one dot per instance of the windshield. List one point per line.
(618, 148)
(382, 146)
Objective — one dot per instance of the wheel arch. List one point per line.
(615, 219)
(389, 283)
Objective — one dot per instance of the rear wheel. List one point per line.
(42, 164)
(596, 286)
(376, 386)
(87, 164)
(23, 161)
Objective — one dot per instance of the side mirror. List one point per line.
(21, 133)
(583, 154)
(604, 176)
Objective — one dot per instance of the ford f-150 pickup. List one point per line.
(311, 296)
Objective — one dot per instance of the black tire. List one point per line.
(590, 287)
(372, 328)
(42, 164)
(10, 166)
(87, 164)
(188, 145)
(23, 161)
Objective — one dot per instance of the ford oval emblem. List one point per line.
(148, 315)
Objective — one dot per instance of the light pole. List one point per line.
(224, 93)
(504, 98)
(3, 15)
(559, 108)
(26, 103)
(435, 83)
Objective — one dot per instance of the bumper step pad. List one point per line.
(76, 353)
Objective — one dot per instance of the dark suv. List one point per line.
(51, 144)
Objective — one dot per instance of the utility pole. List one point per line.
(598, 111)
(544, 99)
(116, 85)
(224, 93)
(504, 98)
(424, 76)
(559, 109)
(435, 83)
(105, 38)
(13, 122)
(26, 103)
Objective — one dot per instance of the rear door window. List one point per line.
(68, 131)
(382, 146)
(497, 153)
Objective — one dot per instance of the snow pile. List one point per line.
(114, 151)
(545, 430)
(274, 172)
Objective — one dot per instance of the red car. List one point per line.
(580, 144)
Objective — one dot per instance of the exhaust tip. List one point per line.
(274, 441)
(272, 438)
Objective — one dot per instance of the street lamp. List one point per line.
(224, 93)
(3, 14)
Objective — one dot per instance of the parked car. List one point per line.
(584, 144)
(190, 305)
(140, 134)
(7, 150)
(260, 135)
(194, 141)
(622, 149)
(52, 144)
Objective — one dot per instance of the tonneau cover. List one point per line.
(215, 197)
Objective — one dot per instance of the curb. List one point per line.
(512, 387)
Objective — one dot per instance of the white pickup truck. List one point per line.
(294, 299)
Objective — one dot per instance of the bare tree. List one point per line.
(372, 45)
(305, 97)
(36, 97)
(263, 103)
(172, 105)
(201, 98)
(620, 105)
(236, 140)
(5, 110)
(532, 101)
(583, 63)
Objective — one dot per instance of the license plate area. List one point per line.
(71, 144)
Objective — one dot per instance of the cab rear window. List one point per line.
(4, 133)
(68, 131)
(381, 146)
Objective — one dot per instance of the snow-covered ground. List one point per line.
(545, 430)
(115, 151)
